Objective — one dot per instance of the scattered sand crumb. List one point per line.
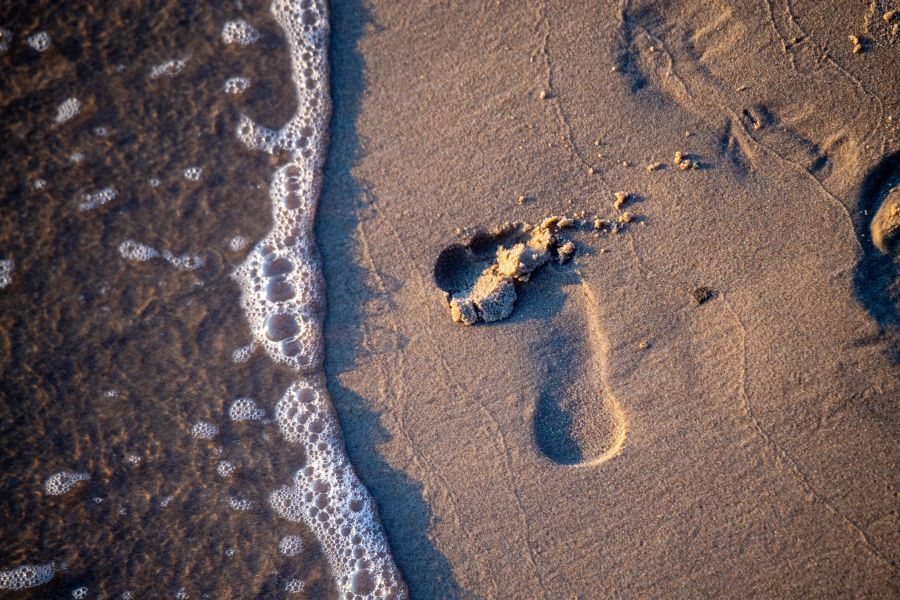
(566, 252)
(684, 163)
(656, 166)
(857, 44)
(621, 199)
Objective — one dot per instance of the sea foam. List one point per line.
(27, 576)
(283, 297)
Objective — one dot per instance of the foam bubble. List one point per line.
(182, 594)
(62, 482)
(204, 430)
(40, 184)
(154, 182)
(237, 243)
(169, 68)
(193, 173)
(291, 545)
(101, 131)
(184, 262)
(329, 498)
(245, 409)
(67, 110)
(136, 251)
(243, 354)
(165, 502)
(6, 270)
(239, 32)
(40, 41)
(27, 576)
(91, 200)
(282, 294)
(225, 468)
(6, 37)
(236, 85)
(240, 504)
(76, 157)
(80, 592)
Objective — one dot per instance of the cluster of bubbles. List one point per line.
(80, 592)
(67, 110)
(91, 200)
(6, 37)
(62, 482)
(240, 504)
(243, 354)
(193, 173)
(291, 545)
(6, 270)
(282, 294)
(138, 252)
(245, 409)
(170, 68)
(225, 468)
(293, 586)
(237, 243)
(39, 41)
(239, 32)
(236, 85)
(204, 430)
(328, 497)
(27, 576)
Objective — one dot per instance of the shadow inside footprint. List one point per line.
(877, 277)
(576, 419)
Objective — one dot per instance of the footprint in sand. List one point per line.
(577, 420)
(877, 278)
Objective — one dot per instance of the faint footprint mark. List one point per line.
(877, 277)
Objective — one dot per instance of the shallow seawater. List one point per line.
(108, 363)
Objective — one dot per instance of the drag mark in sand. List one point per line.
(283, 297)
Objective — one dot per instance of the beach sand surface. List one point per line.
(614, 437)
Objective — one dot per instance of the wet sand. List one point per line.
(760, 456)
(107, 364)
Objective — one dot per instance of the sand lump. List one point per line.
(886, 223)
(479, 279)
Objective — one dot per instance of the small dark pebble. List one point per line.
(701, 295)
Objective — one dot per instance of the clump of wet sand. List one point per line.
(484, 289)
(885, 227)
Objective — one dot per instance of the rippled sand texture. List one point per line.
(123, 347)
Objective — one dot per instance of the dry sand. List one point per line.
(614, 437)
